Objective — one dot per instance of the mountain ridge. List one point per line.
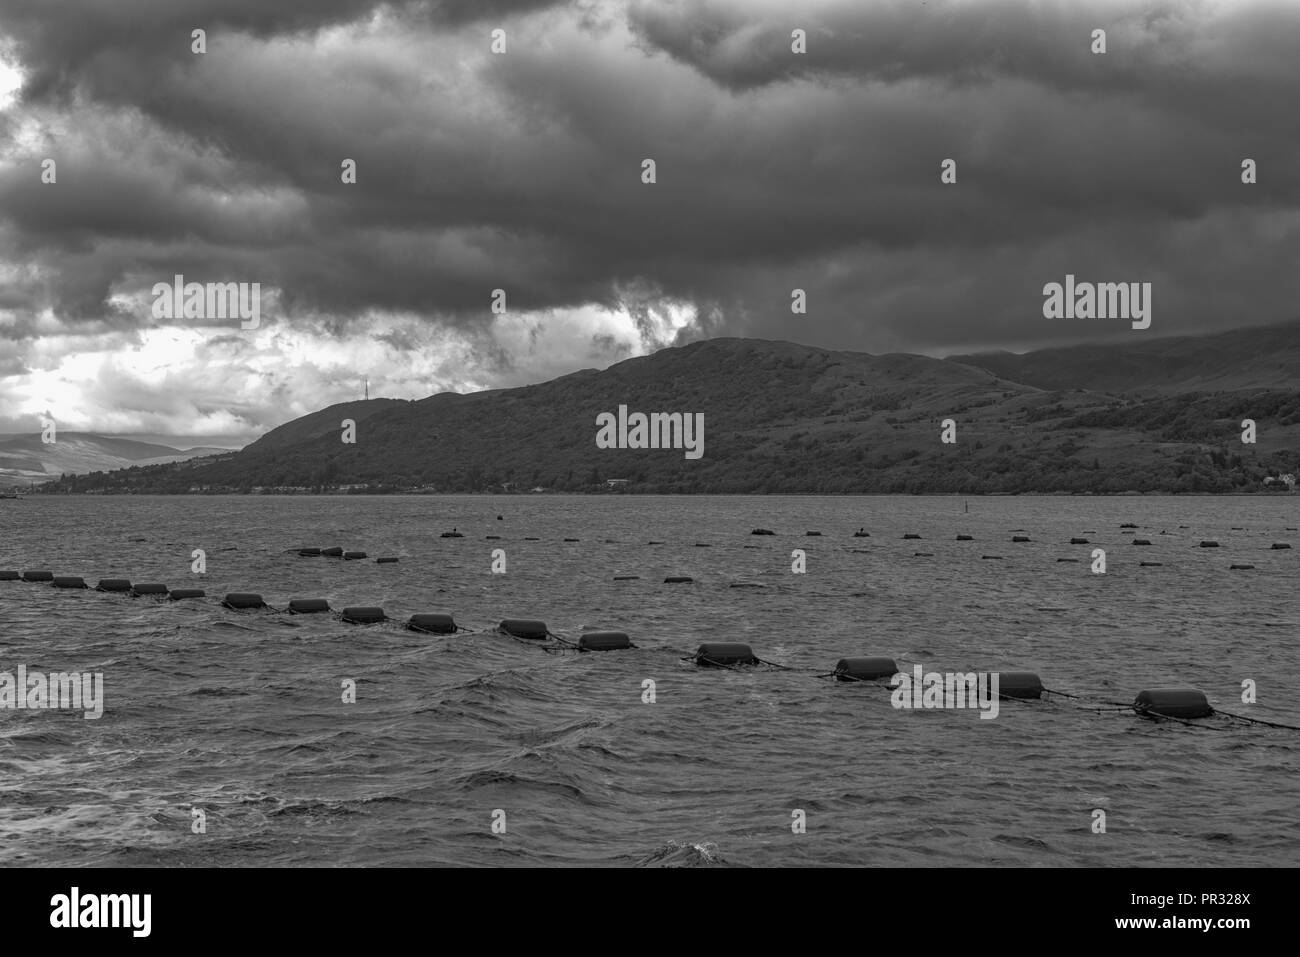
(783, 417)
(25, 459)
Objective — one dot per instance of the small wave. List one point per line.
(218, 693)
(315, 809)
(1022, 841)
(673, 854)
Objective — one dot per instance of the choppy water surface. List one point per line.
(241, 714)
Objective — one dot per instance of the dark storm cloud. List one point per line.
(747, 43)
(66, 39)
(775, 170)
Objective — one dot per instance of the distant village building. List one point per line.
(615, 482)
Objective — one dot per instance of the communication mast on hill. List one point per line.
(367, 389)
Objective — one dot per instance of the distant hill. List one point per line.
(1262, 358)
(25, 458)
(1150, 415)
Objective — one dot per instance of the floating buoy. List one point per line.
(571, 539)
(965, 538)
(367, 615)
(334, 551)
(386, 561)
(923, 554)
(307, 606)
(523, 628)
(432, 622)
(724, 653)
(501, 518)
(69, 581)
(1141, 541)
(1173, 703)
(865, 669)
(818, 534)
(526, 539)
(603, 641)
(678, 580)
(1072, 561)
(999, 557)
(1020, 538)
(1278, 546)
(38, 576)
(910, 536)
(1019, 684)
(309, 552)
(150, 589)
(1209, 544)
(456, 535)
(1234, 568)
(626, 578)
(113, 584)
(243, 599)
(9, 576)
(1077, 541)
(762, 531)
(353, 556)
(1150, 564)
(177, 594)
(493, 538)
(1130, 525)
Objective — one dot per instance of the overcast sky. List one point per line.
(522, 171)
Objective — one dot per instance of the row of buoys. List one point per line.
(863, 533)
(120, 585)
(429, 622)
(1182, 703)
(1177, 703)
(1022, 685)
(338, 552)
